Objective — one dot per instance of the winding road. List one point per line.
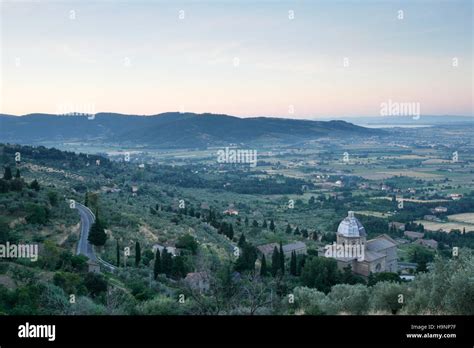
(87, 219)
(84, 247)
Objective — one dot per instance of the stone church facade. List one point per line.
(379, 254)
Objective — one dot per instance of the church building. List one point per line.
(379, 254)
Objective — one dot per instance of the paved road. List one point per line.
(84, 247)
(87, 219)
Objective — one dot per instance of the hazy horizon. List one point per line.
(296, 117)
(305, 60)
(316, 118)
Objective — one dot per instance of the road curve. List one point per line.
(87, 219)
(84, 247)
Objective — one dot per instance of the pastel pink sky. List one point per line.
(246, 60)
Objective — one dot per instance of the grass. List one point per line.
(445, 226)
(374, 213)
(467, 218)
(380, 175)
(416, 200)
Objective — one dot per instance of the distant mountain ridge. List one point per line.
(410, 120)
(169, 130)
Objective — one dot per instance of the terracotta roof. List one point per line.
(428, 242)
(195, 278)
(382, 242)
(293, 246)
(267, 248)
(372, 255)
(413, 234)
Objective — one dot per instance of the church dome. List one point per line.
(351, 227)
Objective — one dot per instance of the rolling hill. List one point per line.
(169, 130)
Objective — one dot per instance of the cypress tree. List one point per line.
(166, 262)
(264, 225)
(272, 225)
(297, 230)
(242, 241)
(178, 269)
(157, 269)
(97, 235)
(263, 267)
(118, 254)
(293, 264)
(230, 233)
(300, 265)
(34, 185)
(86, 200)
(288, 229)
(246, 260)
(275, 261)
(347, 276)
(7, 175)
(223, 228)
(371, 279)
(255, 223)
(138, 254)
(246, 221)
(17, 175)
(282, 259)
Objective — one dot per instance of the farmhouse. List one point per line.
(439, 210)
(198, 281)
(231, 212)
(430, 243)
(431, 218)
(170, 249)
(398, 225)
(299, 248)
(455, 196)
(338, 183)
(267, 249)
(93, 266)
(414, 235)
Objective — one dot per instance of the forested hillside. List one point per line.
(138, 210)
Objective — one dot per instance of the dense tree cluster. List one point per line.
(188, 242)
(150, 285)
(13, 183)
(226, 229)
(247, 257)
(169, 265)
(453, 238)
(445, 289)
(242, 182)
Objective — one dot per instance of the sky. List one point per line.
(294, 59)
